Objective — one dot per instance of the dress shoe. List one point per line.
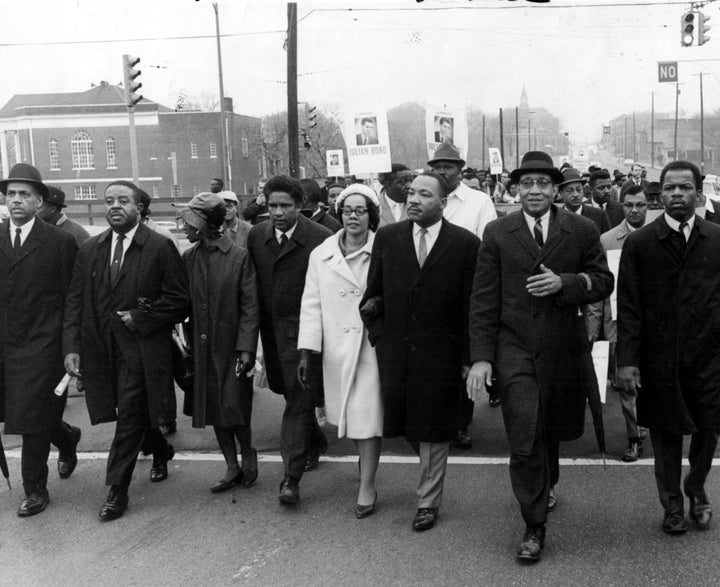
(289, 492)
(425, 519)
(313, 461)
(34, 504)
(114, 506)
(67, 461)
(363, 511)
(250, 468)
(159, 469)
(223, 485)
(530, 549)
(700, 511)
(552, 500)
(494, 400)
(168, 428)
(674, 523)
(633, 452)
(462, 440)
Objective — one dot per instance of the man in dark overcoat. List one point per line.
(128, 289)
(669, 340)
(280, 249)
(415, 308)
(536, 269)
(36, 262)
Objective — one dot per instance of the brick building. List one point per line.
(80, 142)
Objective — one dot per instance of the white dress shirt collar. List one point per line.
(24, 230)
(544, 222)
(288, 233)
(675, 225)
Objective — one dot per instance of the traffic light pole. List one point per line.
(133, 145)
(227, 180)
(702, 124)
(292, 103)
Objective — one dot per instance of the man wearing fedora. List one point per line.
(52, 212)
(128, 289)
(472, 210)
(536, 268)
(571, 195)
(36, 262)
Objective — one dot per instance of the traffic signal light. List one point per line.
(307, 141)
(312, 117)
(687, 29)
(130, 74)
(703, 29)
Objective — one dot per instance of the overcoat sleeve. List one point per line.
(311, 318)
(469, 264)
(485, 299)
(629, 322)
(375, 325)
(249, 311)
(74, 304)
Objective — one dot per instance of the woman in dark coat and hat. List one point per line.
(224, 324)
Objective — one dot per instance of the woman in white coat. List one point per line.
(330, 324)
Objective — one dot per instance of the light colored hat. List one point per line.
(357, 189)
(228, 195)
(205, 211)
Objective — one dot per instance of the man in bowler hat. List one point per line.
(36, 262)
(536, 268)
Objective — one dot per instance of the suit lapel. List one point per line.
(407, 246)
(521, 231)
(442, 243)
(556, 233)
(34, 239)
(5, 242)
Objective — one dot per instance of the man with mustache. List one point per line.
(572, 195)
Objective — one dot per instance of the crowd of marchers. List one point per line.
(386, 311)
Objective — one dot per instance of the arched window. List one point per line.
(54, 154)
(82, 151)
(110, 152)
(244, 145)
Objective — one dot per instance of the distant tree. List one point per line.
(406, 125)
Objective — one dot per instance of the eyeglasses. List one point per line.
(684, 187)
(542, 183)
(638, 205)
(357, 211)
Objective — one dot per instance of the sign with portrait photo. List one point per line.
(367, 140)
(446, 125)
(335, 163)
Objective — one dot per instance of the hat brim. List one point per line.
(554, 173)
(460, 162)
(42, 188)
(192, 218)
(569, 181)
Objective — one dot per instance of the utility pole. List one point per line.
(635, 153)
(502, 141)
(292, 105)
(625, 137)
(223, 133)
(529, 145)
(702, 125)
(517, 139)
(677, 94)
(483, 144)
(652, 129)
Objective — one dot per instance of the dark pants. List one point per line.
(533, 475)
(668, 466)
(300, 434)
(132, 430)
(35, 452)
(467, 407)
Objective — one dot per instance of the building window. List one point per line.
(155, 192)
(54, 155)
(110, 150)
(193, 151)
(82, 151)
(213, 150)
(244, 145)
(85, 192)
(175, 191)
(196, 191)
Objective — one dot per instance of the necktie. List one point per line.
(422, 247)
(538, 233)
(683, 226)
(117, 259)
(283, 241)
(16, 242)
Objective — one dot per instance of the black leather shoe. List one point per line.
(68, 461)
(462, 440)
(313, 461)
(494, 400)
(289, 492)
(114, 506)
(363, 511)
(159, 470)
(425, 519)
(700, 511)
(674, 523)
(34, 504)
(223, 485)
(250, 469)
(552, 500)
(530, 549)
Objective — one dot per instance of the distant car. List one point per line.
(711, 187)
(628, 161)
(169, 224)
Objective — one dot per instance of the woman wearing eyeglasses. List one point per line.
(330, 324)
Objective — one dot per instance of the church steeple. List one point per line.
(524, 100)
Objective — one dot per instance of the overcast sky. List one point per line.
(587, 61)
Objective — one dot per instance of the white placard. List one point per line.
(447, 125)
(367, 140)
(335, 162)
(613, 259)
(496, 162)
(601, 358)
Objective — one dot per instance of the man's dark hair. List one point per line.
(311, 190)
(283, 183)
(681, 166)
(634, 190)
(367, 119)
(389, 176)
(596, 176)
(219, 180)
(145, 200)
(128, 184)
(445, 119)
(444, 185)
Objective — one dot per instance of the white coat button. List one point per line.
(203, 337)
(345, 329)
(356, 328)
(357, 292)
(342, 292)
